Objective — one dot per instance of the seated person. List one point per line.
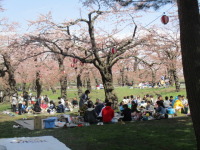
(126, 113)
(97, 102)
(52, 107)
(90, 114)
(24, 107)
(60, 108)
(99, 107)
(134, 111)
(36, 107)
(166, 102)
(83, 109)
(43, 105)
(121, 108)
(160, 110)
(74, 103)
(29, 108)
(178, 105)
(107, 113)
(149, 108)
(68, 106)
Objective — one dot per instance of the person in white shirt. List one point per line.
(125, 100)
(14, 102)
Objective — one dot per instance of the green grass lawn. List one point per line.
(120, 92)
(166, 134)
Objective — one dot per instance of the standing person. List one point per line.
(107, 113)
(14, 102)
(20, 100)
(84, 98)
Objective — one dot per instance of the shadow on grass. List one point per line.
(167, 134)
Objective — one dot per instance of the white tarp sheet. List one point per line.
(32, 143)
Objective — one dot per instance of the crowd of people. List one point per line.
(130, 108)
(133, 108)
(149, 107)
(26, 103)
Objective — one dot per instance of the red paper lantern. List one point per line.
(164, 19)
(113, 50)
(75, 60)
(72, 65)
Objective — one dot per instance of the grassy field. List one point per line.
(166, 134)
(121, 92)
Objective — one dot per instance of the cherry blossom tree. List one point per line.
(101, 49)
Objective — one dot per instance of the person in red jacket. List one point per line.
(107, 113)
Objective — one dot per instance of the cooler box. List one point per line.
(171, 111)
(49, 123)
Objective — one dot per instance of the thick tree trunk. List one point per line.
(11, 75)
(190, 47)
(38, 84)
(107, 79)
(79, 85)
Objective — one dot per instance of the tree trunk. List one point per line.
(122, 77)
(89, 83)
(188, 11)
(38, 84)
(63, 85)
(53, 90)
(176, 79)
(23, 87)
(11, 75)
(171, 78)
(153, 75)
(63, 78)
(126, 80)
(79, 85)
(107, 79)
(119, 81)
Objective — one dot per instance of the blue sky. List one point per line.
(22, 10)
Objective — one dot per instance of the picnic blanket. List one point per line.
(32, 143)
(26, 123)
